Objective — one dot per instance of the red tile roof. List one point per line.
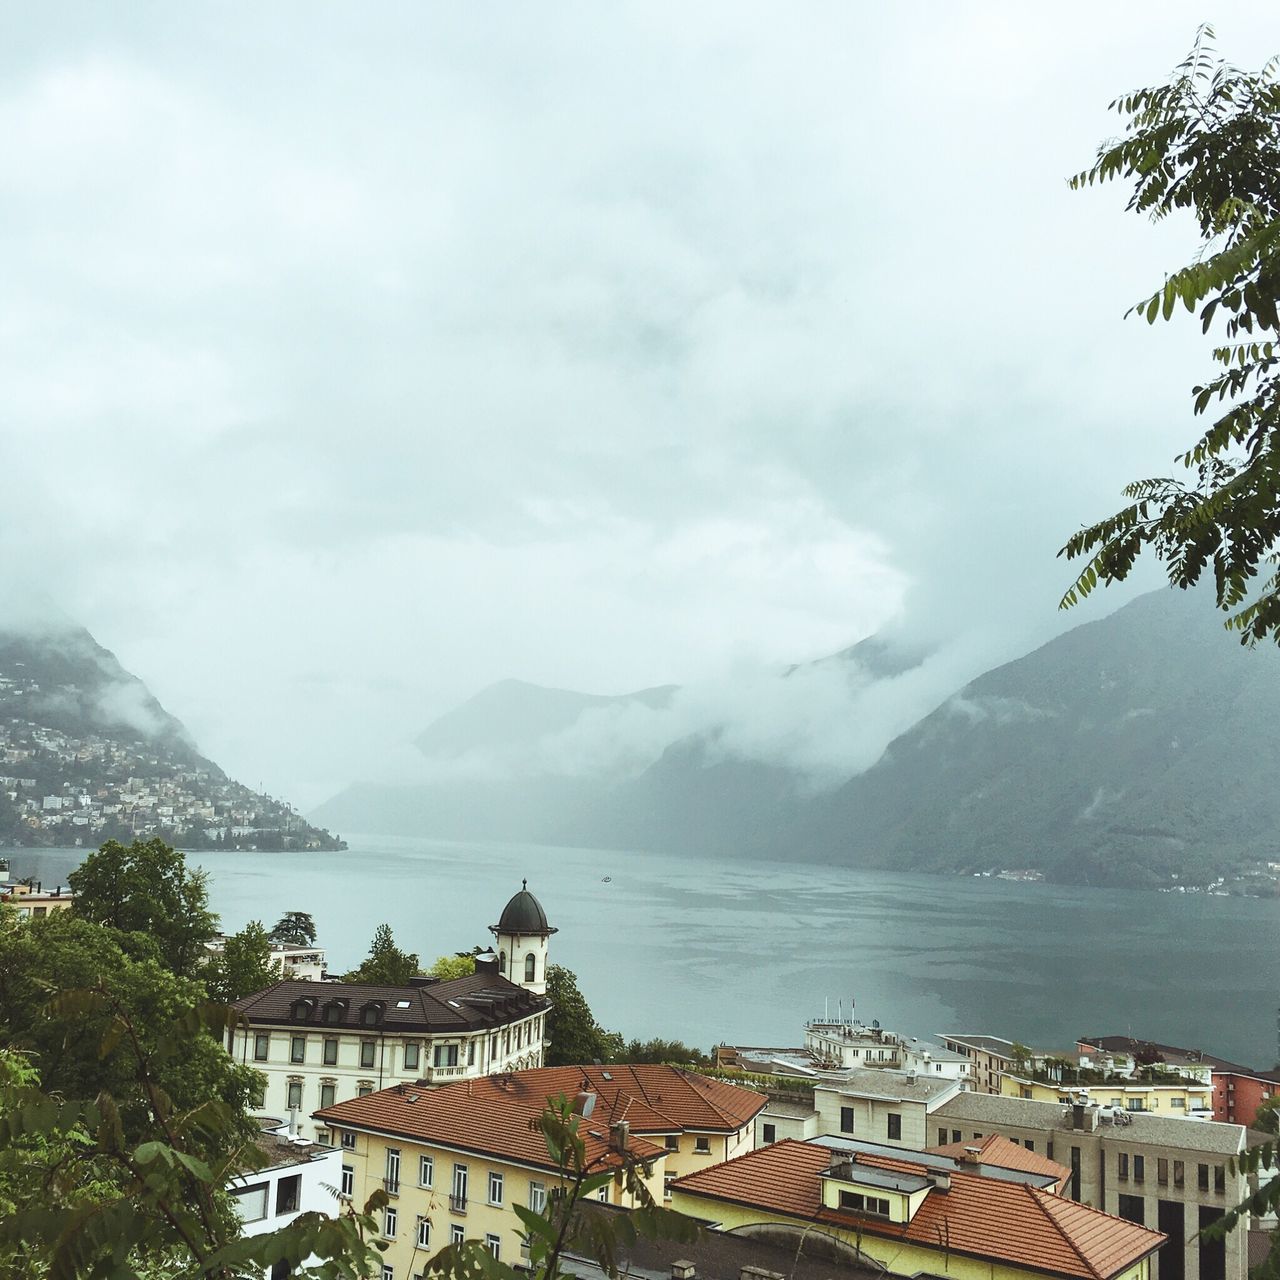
(997, 1150)
(492, 1114)
(990, 1218)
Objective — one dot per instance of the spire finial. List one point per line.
(524, 884)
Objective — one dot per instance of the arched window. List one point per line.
(530, 967)
(502, 962)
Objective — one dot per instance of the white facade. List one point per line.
(837, 1044)
(890, 1107)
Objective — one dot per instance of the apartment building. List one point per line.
(1170, 1174)
(989, 1057)
(454, 1160)
(882, 1106)
(916, 1213)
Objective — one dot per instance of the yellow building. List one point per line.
(457, 1158)
(1183, 1098)
(910, 1212)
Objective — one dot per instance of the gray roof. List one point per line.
(931, 1160)
(888, 1179)
(523, 914)
(789, 1110)
(984, 1044)
(880, 1083)
(1157, 1131)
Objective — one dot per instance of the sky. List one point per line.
(354, 359)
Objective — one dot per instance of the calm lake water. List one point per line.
(707, 951)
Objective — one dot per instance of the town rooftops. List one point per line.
(998, 1152)
(982, 1110)
(993, 1219)
(886, 1085)
(981, 1044)
(492, 1115)
(460, 1005)
(1036, 1171)
(1171, 1053)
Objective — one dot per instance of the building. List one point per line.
(1166, 1173)
(838, 1044)
(1170, 1095)
(319, 1044)
(916, 1213)
(457, 1158)
(521, 936)
(297, 963)
(882, 1106)
(1239, 1092)
(989, 1058)
(997, 1152)
(295, 1176)
(785, 1118)
(30, 899)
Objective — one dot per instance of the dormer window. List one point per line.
(371, 1013)
(335, 1010)
(301, 1010)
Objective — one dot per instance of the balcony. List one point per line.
(431, 1074)
(391, 1186)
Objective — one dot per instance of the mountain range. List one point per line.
(1138, 749)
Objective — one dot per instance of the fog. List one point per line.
(356, 360)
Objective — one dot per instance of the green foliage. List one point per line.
(1208, 142)
(145, 893)
(385, 965)
(658, 1050)
(244, 966)
(295, 929)
(576, 1037)
(455, 966)
(1267, 1118)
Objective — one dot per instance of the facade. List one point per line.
(297, 964)
(882, 1106)
(989, 1058)
(1166, 1173)
(782, 1119)
(31, 900)
(1184, 1099)
(521, 936)
(916, 1213)
(839, 1044)
(295, 1177)
(456, 1159)
(1238, 1093)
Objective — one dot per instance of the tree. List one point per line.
(576, 1037)
(1208, 142)
(295, 929)
(386, 965)
(146, 894)
(245, 965)
(456, 966)
(675, 1052)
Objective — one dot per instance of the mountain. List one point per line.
(88, 754)
(1131, 750)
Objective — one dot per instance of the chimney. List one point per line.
(619, 1133)
(941, 1179)
(683, 1269)
(585, 1103)
(971, 1155)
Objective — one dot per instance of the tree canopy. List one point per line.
(455, 966)
(146, 894)
(295, 929)
(576, 1037)
(1207, 143)
(385, 965)
(244, 965)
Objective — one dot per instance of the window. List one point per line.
(955, 1135)
(672, 1142)
(363, 1089)
(458, 1196)
(942, 1137)
(251, 1203)
(1132, 1207)
(1219, 1179)
(493, 1244)
(327, 1090)
(388, 1271)
(667, 1180)
(864, 1204)
(426, 1171)
(502, 961)
(846, 1119)
(1075, 1173)
(412, 1051)
(537, 1196)
(1030, 1146)
(456, 1234)
(1202, 1177)
(530, 967)
(1048, 1149)
(330, 1052)
(603, 1193)
(288, 1194)
(392, 1179)
(324, 1138)
(298, 1049)
(769, 1132)
(1122, 1166)
(1179, 1174)
(390, 1220)
(495, 1188)
(1139, 1168)
(295, 1094)
(445, 1055)
(368, 1048)
(424, 1232)
(348, 1187)
(1162, 1171)
(895, 1126)
(702, 1146)
(471, 1053)
(1180, 1103)
(260, 1045)
(260, 1092)
(348, 1141)
(1133, 1104)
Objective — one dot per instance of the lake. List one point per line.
(707, 951)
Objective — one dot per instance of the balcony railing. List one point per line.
(457, 1204)
(391, 1186)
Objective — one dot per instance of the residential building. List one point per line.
(783, 1118)
(916, 1213)
(997, 1152)
(321, 1043)
(1239, 1092)
(295, 1176)
(30, 898)
(882, 1106)
(837, 1044)
(1171, 1174)
(989, 1057)
(297, 963)
(456, 1159)
(1172, 1095)
(521, 936)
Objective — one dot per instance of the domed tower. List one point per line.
(522, 932)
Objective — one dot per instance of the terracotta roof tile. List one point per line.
(995, 1149)
(991, 1218)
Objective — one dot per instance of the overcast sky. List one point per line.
(354, 358)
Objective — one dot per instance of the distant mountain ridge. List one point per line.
(1138, 749)
(87, 753)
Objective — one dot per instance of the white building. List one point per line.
(320, 1044)
(890, 1107)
